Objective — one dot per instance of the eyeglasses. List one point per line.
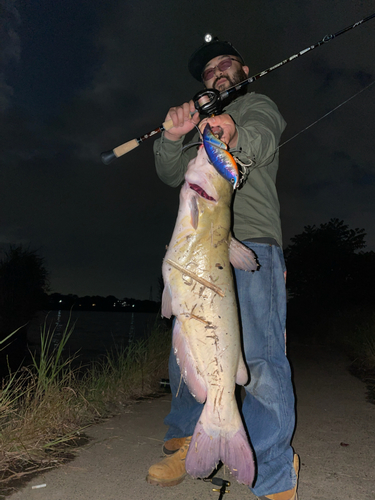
(222, 66)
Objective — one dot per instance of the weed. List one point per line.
(46, 406)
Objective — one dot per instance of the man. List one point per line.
(252, 125)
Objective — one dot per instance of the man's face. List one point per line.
(222, 80)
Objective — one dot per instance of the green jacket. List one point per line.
(256, 209)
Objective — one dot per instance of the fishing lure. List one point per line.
(219, 157)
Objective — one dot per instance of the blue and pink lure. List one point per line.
(219, 157)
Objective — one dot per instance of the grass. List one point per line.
(45, 407)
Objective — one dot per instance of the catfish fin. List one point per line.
(194, 212)
(208, 446)
(242, 376)
(166, 302)
(192, 378)
(242, 257)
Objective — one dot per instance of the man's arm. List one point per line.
(170, 161)
(259, 125)
(252, 124)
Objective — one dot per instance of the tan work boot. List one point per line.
(173, 445)
(171, 470)
(286, 495)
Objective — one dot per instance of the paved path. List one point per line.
(335, 438)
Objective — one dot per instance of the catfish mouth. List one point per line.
(201, 192)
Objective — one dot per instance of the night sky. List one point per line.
(80, 77)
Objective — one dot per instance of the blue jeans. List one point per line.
(268, 407)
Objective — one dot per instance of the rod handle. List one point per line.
(108, 156)
(167, 125)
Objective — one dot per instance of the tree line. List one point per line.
(328, 270)
(24, 290)
(58, 301)
(328, 273)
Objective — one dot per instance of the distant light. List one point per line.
(208, 38)
(60, 300)
(93, 305)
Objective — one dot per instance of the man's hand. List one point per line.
(182, 121)
(224, 127)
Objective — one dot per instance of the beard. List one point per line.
(237, 77)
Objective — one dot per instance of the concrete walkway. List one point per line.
(335, 439)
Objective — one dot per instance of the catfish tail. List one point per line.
(208, 448)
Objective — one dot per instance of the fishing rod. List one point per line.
(208, 102)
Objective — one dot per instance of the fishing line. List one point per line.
(327, 114)
(325, 39)
(255, 165)
(247, 168)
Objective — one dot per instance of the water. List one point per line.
(95, 333)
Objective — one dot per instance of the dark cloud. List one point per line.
(10, 48)
(364, 78)
(362, 175)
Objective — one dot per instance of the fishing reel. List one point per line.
(208, 102)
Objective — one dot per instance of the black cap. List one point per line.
(208, 51)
